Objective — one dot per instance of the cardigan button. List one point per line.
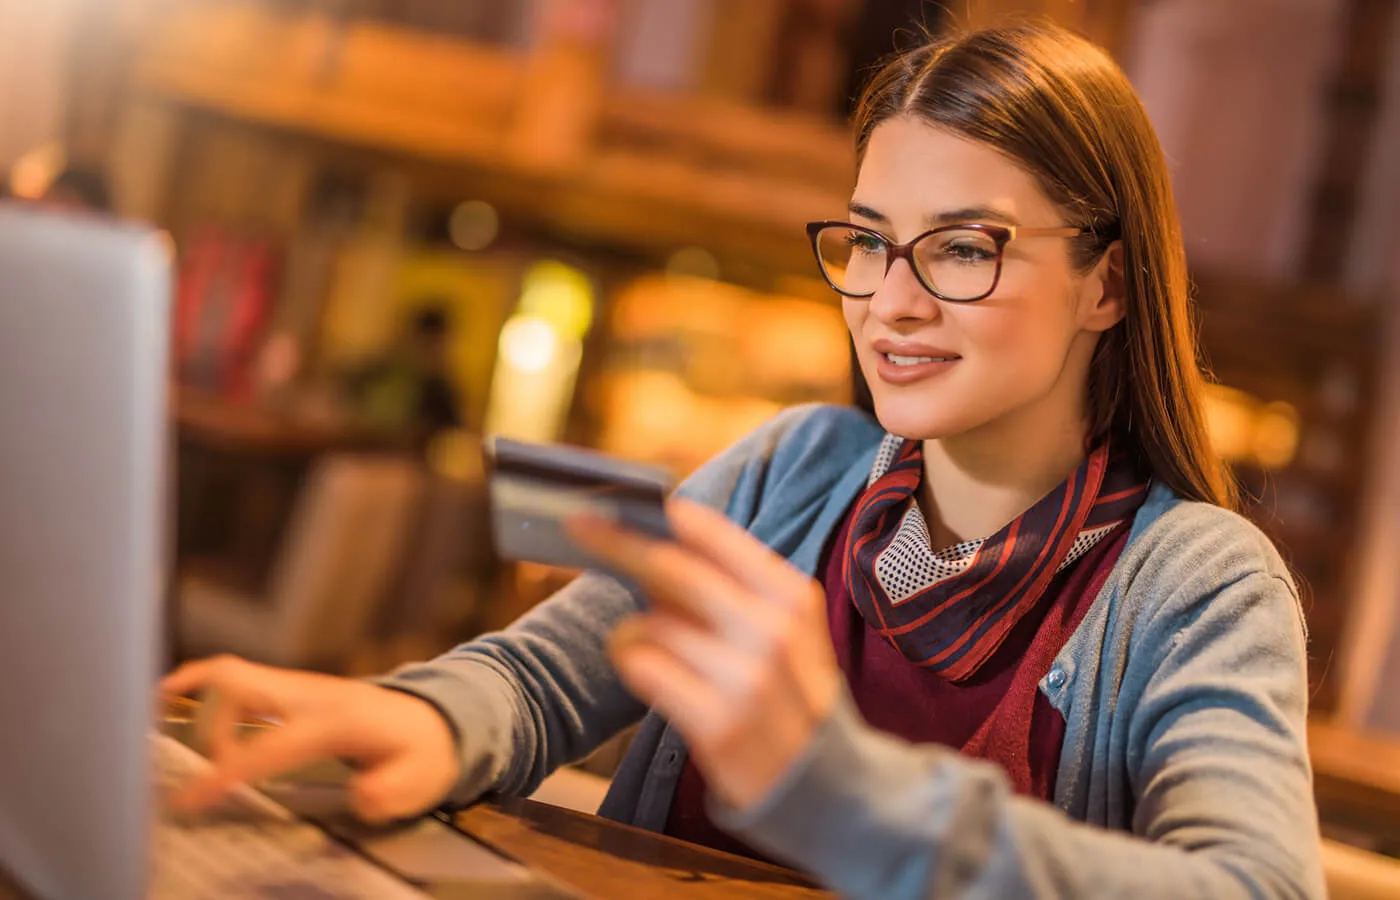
(1056, 678)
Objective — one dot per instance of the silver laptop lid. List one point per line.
(83, 344)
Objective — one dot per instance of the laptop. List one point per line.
(84, 324)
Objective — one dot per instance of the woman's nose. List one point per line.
(902, 298)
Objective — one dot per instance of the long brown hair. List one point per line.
(1063, 110)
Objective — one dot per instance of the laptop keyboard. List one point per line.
(253, 848)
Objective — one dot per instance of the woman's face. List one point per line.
(1023, 351)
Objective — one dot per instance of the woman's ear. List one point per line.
(1104, 301)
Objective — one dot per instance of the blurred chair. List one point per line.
(450, 538)
(441, 583)
(347, 535)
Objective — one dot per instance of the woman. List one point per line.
(1009, 641)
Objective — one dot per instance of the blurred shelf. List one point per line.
(642, 168)
(214, 422)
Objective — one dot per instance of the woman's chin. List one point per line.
(910, 418)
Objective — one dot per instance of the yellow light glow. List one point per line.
(530, 401)
(529, 343)
(559, 294)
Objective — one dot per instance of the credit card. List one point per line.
(535, 488)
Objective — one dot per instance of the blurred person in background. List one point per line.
(1009, 638)
(409, 388)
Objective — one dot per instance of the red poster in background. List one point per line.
(223, 298)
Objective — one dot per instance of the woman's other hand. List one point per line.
(403, 750)
(735, 650)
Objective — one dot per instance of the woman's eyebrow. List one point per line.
(947, 217)
(970, 214)
(866, 212)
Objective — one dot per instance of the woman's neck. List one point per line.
(976, 482)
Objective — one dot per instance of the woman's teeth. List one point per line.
(916, 360)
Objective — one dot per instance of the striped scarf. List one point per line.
(949, 610)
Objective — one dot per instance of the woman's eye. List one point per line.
(969, 253)
(865, 243)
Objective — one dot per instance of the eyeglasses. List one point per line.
(957, 263)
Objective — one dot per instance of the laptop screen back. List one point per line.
(83, 322)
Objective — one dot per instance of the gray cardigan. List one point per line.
(1184, 769)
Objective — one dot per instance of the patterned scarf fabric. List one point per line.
(951, 609)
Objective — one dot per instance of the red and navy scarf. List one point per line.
(950, 610)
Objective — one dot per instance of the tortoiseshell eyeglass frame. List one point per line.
(1001, 235)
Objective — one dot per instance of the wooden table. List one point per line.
(601, 859)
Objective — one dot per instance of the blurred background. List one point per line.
(403, 224)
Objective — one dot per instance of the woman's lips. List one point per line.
(901, 368)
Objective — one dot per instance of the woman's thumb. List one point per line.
(398, 788)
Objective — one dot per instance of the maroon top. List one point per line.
(999, 714)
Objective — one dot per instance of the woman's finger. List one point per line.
(216, 723)
(394, 789)
(250, 686)
(188, 678)
(661, 680)
(274, 752)
(672, 577)
(717, 661)
(718, 539)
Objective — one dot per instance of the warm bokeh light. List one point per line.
(1245, 429)
(541, 347)
(33, 172)
(529, 343)
(1276, 431)
(1229, 421)
(560, 295)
